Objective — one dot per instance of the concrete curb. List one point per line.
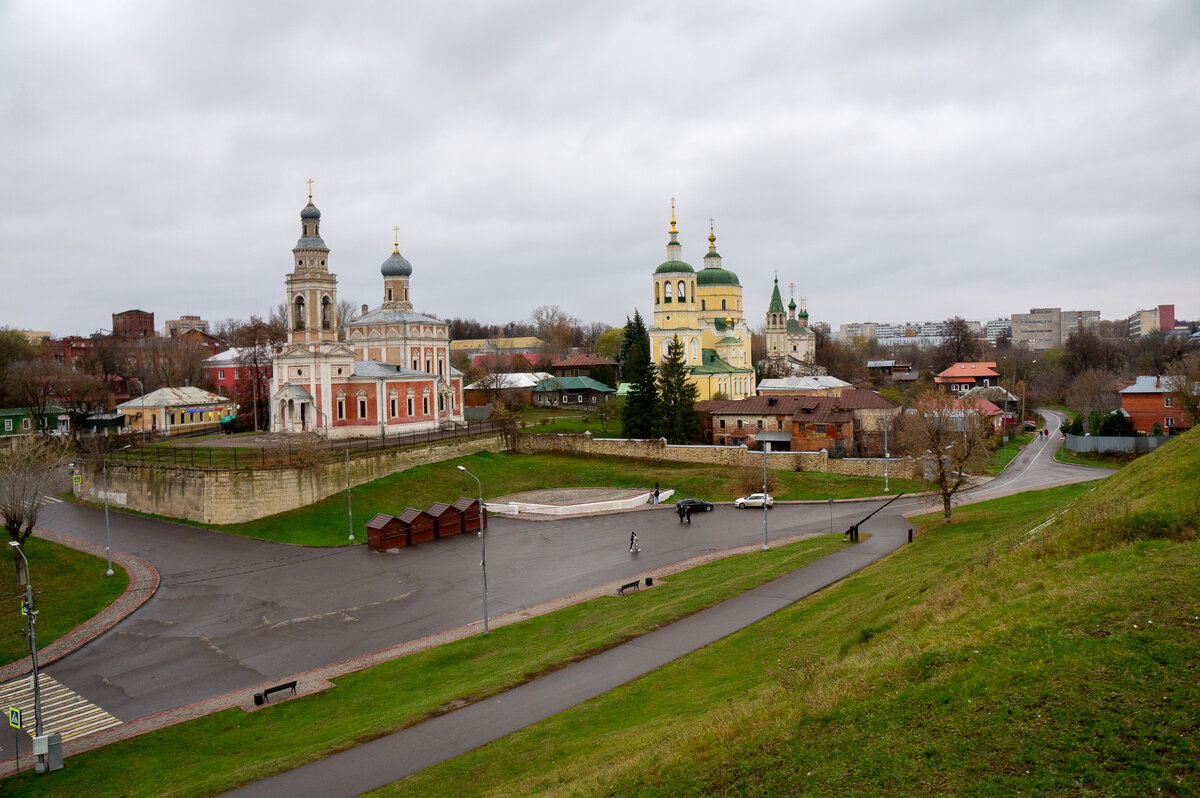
(143, 583)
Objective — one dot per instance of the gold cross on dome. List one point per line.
(310, 182)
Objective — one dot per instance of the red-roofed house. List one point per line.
(598, 368)
(962, 377)
(788, 423)
(994, 415)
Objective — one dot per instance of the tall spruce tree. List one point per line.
(635, 330)
(640, 419)
(679, 421)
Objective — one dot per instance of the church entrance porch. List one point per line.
(297, 410)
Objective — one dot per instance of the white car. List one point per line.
(753, 500)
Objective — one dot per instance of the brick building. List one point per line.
(1150, 400)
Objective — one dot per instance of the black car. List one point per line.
(696, 505)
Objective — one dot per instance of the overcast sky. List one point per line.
(896, 161)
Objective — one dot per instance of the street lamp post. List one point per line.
(31, 615)
(885, 455)
(482, 546)
(349, 506)
(107, 538)
(764, 448)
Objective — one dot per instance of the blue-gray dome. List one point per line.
(396, 266)
(310, 211)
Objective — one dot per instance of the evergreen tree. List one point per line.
(635, 330)
(679, 421)
(639, 419)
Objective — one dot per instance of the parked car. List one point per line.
(695, 504)
(1030, 426)
(753, 500)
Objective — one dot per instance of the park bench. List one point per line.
(634, 585)
(260, 698)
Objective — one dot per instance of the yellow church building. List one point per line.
(704, 310)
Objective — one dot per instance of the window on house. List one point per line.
(820, 429)
(428, 365)
(702, 304)
(8, 425)
(1169, 422)
(221, 376)
(739, 423)
(579, 399)
(723, 304)
(362, 407)
(722, 423)
(410, 405)
(425, 405)
(779, 424)
(1168, 401)
(392, 407)
(341, 409)
(760, 423)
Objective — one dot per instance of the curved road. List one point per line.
(233, 613)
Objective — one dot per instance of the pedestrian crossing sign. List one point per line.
(14, 717)
(77, 479)
(24, 607)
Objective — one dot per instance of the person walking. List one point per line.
(633, 542)
(687, 514)
(679, 510)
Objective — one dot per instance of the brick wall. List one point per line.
(215, 496)
(714, 455)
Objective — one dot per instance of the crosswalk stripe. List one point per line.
(51, 500)
(63, 710)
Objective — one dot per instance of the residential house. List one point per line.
(803, 386)
(1150, 399)
(582, 393)
(598, 368)
(962, 377)
(174, 411)
(512, 389)
(788, 423)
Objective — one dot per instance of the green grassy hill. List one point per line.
(1044, 644)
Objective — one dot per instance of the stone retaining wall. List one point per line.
(740, 456)
(226, 496)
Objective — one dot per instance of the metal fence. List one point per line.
(1110, 443)
(303, 452)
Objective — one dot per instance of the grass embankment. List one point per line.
(324, 523)
(69, 588)
(565, 420)
(221, 751)
(993, 656)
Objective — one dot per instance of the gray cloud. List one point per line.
(895, 161)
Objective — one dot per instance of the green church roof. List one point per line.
(776, 305)
(672, 266)
(716, 277)
(715, 365)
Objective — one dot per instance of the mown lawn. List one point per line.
(69, 588)
(221, 751)
(325, 522)
(1005, 454)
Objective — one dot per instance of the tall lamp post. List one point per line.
(31, 615)
(885, 455)
(764, 448)
(107, 537)
(349, 506)
(482, 546)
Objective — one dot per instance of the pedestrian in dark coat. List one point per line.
(687, 514)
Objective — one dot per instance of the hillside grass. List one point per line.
(1023, 649)
(221, 751)
(69, 588)
(325, 522)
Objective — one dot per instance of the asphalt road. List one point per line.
(232, 612)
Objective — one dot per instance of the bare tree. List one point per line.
(346, 310)
(26, 477)
(81, 395)
(960, 344)
(253, 340)
(172, 362)
(949, 437)
(555, 327)
(278, 321)
(1184, 379)
(591, 333)
(1094, 389)
(36, 386)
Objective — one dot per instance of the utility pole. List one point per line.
(31, 617)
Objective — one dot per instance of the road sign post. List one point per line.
(14, 720)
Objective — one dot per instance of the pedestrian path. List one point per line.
(63, 710)
(51, 500)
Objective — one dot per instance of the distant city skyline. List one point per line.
(896, 161)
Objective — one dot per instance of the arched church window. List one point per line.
(656, 297)
(693, 349)
(682, 292)
(723, 304)
(666, 348)
(666, 292)
(326, 313)
(702, 303)
(298, 313)
(389, 295)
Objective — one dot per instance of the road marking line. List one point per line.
(63, 710)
